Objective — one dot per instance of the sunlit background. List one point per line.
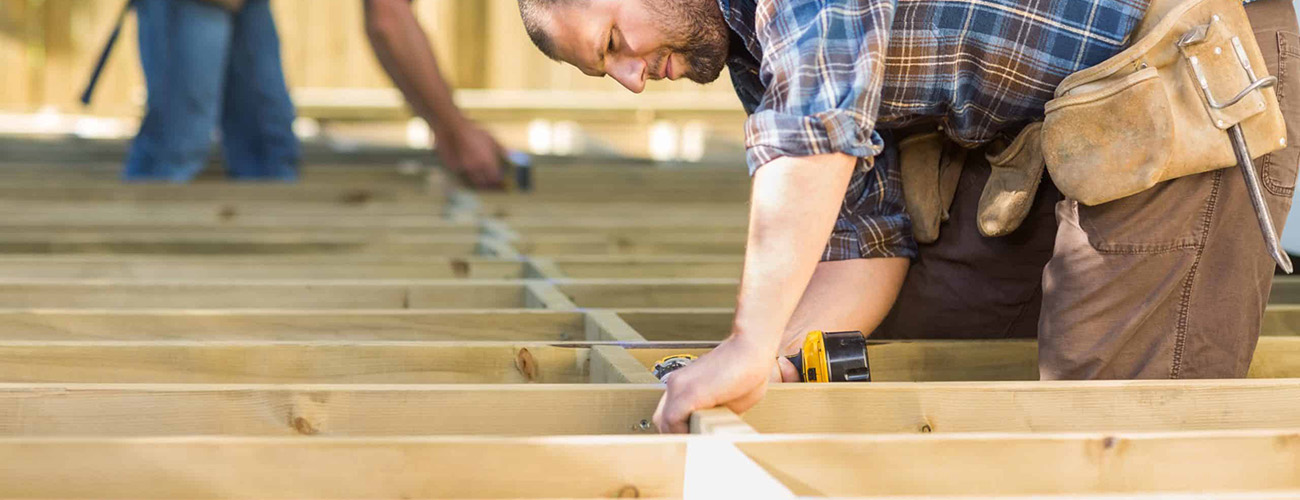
(48, 49)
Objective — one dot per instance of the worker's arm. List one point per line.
(404, 51)
(794, 205)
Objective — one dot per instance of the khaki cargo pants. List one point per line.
(1169, 283)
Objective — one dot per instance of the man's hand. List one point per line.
(404, 51)
(471, 152)
(793, 208)
(734, 374)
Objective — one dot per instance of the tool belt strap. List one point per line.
(1160, 109)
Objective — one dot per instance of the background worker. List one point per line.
(829, 240)
(210, 63)
(405, 52)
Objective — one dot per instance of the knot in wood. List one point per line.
(526, 364)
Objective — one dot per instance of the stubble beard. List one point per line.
(696, 30)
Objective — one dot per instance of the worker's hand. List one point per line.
(735, 375)
(471, 152)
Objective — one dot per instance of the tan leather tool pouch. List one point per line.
(1149, 113)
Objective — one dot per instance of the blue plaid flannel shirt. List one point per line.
(820, 76)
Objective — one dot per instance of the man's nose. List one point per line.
(630, 72)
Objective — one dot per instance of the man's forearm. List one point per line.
(794, 205)
(404, 52)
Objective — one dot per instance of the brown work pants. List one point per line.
(1169, 283)
(1172, 282)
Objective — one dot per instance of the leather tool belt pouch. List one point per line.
(1160, 109)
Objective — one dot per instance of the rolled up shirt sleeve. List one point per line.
(822, 71)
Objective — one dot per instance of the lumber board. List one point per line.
(303, 325)
(613, 365)
(711, 214)
(407, 409)
(325, 409)
(680, 325)
(650, 293)
(991, 360)
(1281, 320)
(453, 467)
(221, 208)
(166, 243)
(261, 267)
(1100, 406)
(1020, 464)
(719, 420)
(363, 294)
(323, 362)
(653, 244)
(107, 169)
(359, 194)
(441, 228)
(607, 325)
(220, 218)
(615, 229)
(340, 468)
(646, 266)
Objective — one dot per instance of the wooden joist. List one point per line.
(164, 243)
(650, 293)
(310, 267)
(415, 409)
(521, 325)
(579, 467)
(655, 244)
(332, 468)
(350, 362)
(429, 294)
(991, 360)
(1020, 464)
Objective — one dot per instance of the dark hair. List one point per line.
(532, 11)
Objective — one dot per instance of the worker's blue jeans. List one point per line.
(204, 65)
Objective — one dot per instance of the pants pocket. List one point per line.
(1278, 169)
(1168, 217)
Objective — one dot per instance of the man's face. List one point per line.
(637, 40)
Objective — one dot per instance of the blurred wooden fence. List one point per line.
(47, 48)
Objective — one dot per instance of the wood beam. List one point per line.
(325, 410)
(224, 208)
(429, 294)
(647, 266)
(1096, 406)
(361, 194)
(346, 362)
(613, 365)
(307, 267)
(590, 243)
(1021, 464)
(649, 293)
(878, 407)
(991, 360)
(606, 325)
(166, 243)
(333, 468)
(301, 325)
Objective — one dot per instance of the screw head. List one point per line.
(1282, 141)
(1219, 123)
(1214, 17)
(1218, 50)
